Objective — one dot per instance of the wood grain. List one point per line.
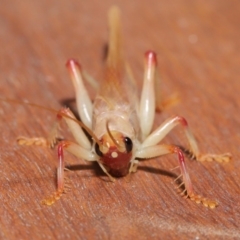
(198, 46)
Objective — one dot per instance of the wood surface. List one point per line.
(197, 43)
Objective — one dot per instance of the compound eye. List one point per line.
(128, 144)
(97, 150)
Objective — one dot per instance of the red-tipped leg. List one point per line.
(50, 141)
(60, 177)
(185, 186)
(147, 101)
(84, 103)
(78, 151)
(193, 152)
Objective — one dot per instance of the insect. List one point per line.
(119, 124)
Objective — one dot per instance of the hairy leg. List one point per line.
(159, 150)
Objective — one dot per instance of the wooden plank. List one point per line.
(197, 44)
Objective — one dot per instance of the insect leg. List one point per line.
(156, 136)
(77, 151)
(84, 103)
(133, 166)
(52, 139)
(38, 141)
(159, 150)
(147, 102)
(75, 128)
(163, 104)
(81, 139)
(93, 82)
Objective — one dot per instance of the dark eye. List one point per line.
(128, 144)
(97, 150)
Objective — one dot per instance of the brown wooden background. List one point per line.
(198, 45)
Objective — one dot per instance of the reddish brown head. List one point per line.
(115, 153)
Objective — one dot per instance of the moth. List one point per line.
(119, 123)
